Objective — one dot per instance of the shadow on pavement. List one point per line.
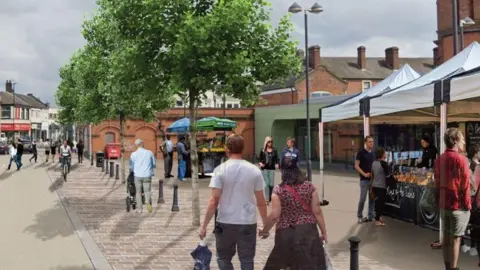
(72, 268)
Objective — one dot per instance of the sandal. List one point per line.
(436, 245)
(379, 223)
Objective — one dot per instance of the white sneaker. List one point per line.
(139, 211)
(473, 252)
(465, 248)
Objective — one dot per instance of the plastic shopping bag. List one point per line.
(328, 261)
(428, 199)
(202, 256)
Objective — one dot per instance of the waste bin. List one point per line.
(100, 156)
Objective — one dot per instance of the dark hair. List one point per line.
(293, 176)
(181, 138)
(368, 137)
(379, 153)
(452, 137)
(427, 139)
(235, 144)
(473, 150)
(168, 137)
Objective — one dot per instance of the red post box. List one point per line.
(112, 151)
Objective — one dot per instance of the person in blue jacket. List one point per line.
(290, 153)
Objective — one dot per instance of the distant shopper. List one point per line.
(237, 187)
(290, 152)
(34, 152)
(183, 155)
(80, 150)
(429, 153)
(380, 172)
(363, 165)
(53, 148)
(19, 154)
(269, 161)
(167, 151)
(46, 144)
(13, 155)
(297, 215)
(452, 178)
(142, 164)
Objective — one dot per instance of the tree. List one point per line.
(109, 78)
(200, 45)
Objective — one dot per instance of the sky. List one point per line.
(39, 36)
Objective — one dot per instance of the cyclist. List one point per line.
(65, 154)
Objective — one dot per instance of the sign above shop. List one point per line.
(15, 127)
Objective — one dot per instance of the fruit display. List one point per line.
(415, 176)
(213, 145)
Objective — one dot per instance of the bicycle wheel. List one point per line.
(65, 173)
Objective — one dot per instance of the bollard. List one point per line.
(111, 169)
(92, 157)
(106, 166)
(175, 207)
(160, 192)
(117, 171)
(354, 244)
(103, 166)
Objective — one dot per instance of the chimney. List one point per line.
(361, 58)
(8, 86)
(314, 56)
(391, 57)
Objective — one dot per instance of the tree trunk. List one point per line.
(122, 148)
(194, 159)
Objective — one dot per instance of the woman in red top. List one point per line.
(296, 212)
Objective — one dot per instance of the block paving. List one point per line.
(160, 240)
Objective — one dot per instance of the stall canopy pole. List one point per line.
(321, 150)
(366, 126)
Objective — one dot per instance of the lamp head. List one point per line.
(316, 8)
(295, 8)
(466, 22)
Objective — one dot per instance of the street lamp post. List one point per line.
(464, 23)
(315, 9)
(14, 109)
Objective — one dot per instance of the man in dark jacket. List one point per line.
(34, 152)
(19, 154)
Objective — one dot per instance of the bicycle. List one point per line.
(65, 167)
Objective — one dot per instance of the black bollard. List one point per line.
(160, 192)
(111, 169)
(354, 244)
(106, 166)
(175, 207)
(117, 171)
(91, 159)
(103, 166)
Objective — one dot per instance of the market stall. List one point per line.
(213, 150)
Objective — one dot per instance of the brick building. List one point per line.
(444, 42)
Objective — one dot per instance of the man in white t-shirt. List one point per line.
(237, 187)
(65, 154)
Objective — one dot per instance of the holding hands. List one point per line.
(262, 233)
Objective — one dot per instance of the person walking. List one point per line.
(46, 144)
(34, 152)
(65, 155)
(167, 150)
(269, 161)
(452, 179)
(363, 165)
(380, 172)
(296, 213)
(475, 213)
(474, 161)
(183, 155)
(80, 149)
(53, 150)
(13, 155)
(290, 152)
(237, 186)
(143, 164)
(19, 154)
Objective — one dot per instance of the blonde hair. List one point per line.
(267, 139)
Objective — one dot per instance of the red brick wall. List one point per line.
(321, 80)
(152, 138)
(355, 86)
(278, 99)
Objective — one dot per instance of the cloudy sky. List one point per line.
(39, 36)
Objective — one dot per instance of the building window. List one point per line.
(366, 85)
(236, 105)
(6, 112)
(109, 137)
(179, 103)
(229, 105)
(23, 113)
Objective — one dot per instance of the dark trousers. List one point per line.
(231, 238)
(19, 160)
(80, 156)
(380, 194)
(35, 156)
(13, 159)
(167, 164)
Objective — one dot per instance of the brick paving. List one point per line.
(160, 240)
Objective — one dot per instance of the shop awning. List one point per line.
(419, 93)
(350, 108)
(215, 124)
(182, 125)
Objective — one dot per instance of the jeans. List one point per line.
(230, 238)
(19, 160)
(146, 182)
(80, 156)
(380, 194)
(35, 156)
(66, 159)
(364, 191)
(269, 179)
(182, 169)
(13, 159)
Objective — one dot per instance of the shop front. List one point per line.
(12, 130)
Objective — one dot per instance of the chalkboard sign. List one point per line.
(401, 202)
(472, 136)
(425, 217)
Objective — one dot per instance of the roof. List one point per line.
(377, 68)
(22, 100)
